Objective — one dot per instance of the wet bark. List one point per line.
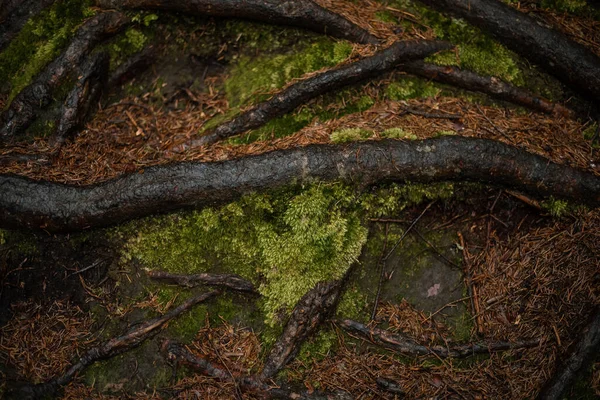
(570, 62)
(14, 14)
(115, 346)
(486, 84)
(230, 281)
(25, 107)
(299, 93)
(402, 344)
(82, 100)
(25, 203)
(585, 350)
(309, 313)
(302, 14)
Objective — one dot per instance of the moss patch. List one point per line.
(407, 88)
(350, 135)
(40, 41)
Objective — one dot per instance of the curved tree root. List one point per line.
(303, 91)
(399, 343)
(585, 350)
(486, 84)
(133, 338)
(25, 107)
(25, 203)
(230, 281)
(302, 14)
(568, 61)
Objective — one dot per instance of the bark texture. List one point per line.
(570, 62)
(485, 84)
(302, 14)
(299, 93)
(585, 350)
(26, 105)
(25, 203)
(309, 313)
(81, 101)
(402, 344)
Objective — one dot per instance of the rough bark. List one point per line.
(25, 203)
(26, 105)
(115, 346)
(177, 352)
(303, 91)
(14, 14)
(230, 281)
(302, 14)
(309, 313)
(402, 344)
(570, 62)
(585, 350)
(486, 84)
(81, 101)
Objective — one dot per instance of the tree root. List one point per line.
(26, 105)
(302, 14)
(587, 348)
(309, 313)
(486, 84)
(178, 353)
(230, 281)
(402, 344)
(303, 91)
(570, 62)
(133, 338)
(25, 203)
(81, 100)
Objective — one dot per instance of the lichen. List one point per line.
(39, 42)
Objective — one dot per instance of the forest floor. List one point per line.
(482, 264)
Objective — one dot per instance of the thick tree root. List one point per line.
(230, 281)
(302, 14)
(25, 107)
(25, 203)
(133, 338)
(568, 61)
(309, 313)
(178, 353)
(401, 344)
(81, 101)
(585, 350)
(486, 84)
(14, 14)
(303, 91)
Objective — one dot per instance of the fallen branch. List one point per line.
(25, 203)
(27, 104)
(402, 344)
(302, 14)
(81, 100)
(570, 62)
(305, 90)
(133, 338)
(178, 353)
(309, 313)
(485, 84)
(227, 280)
(585, 350)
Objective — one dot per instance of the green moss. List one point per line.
(40, 41)
(252, 78)
(557, 208)
(573, 6)
(131, 41)
(284, 242)
(398, 133)
(350, 135)
(445, 133)
(410, 88)
(317, 348)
